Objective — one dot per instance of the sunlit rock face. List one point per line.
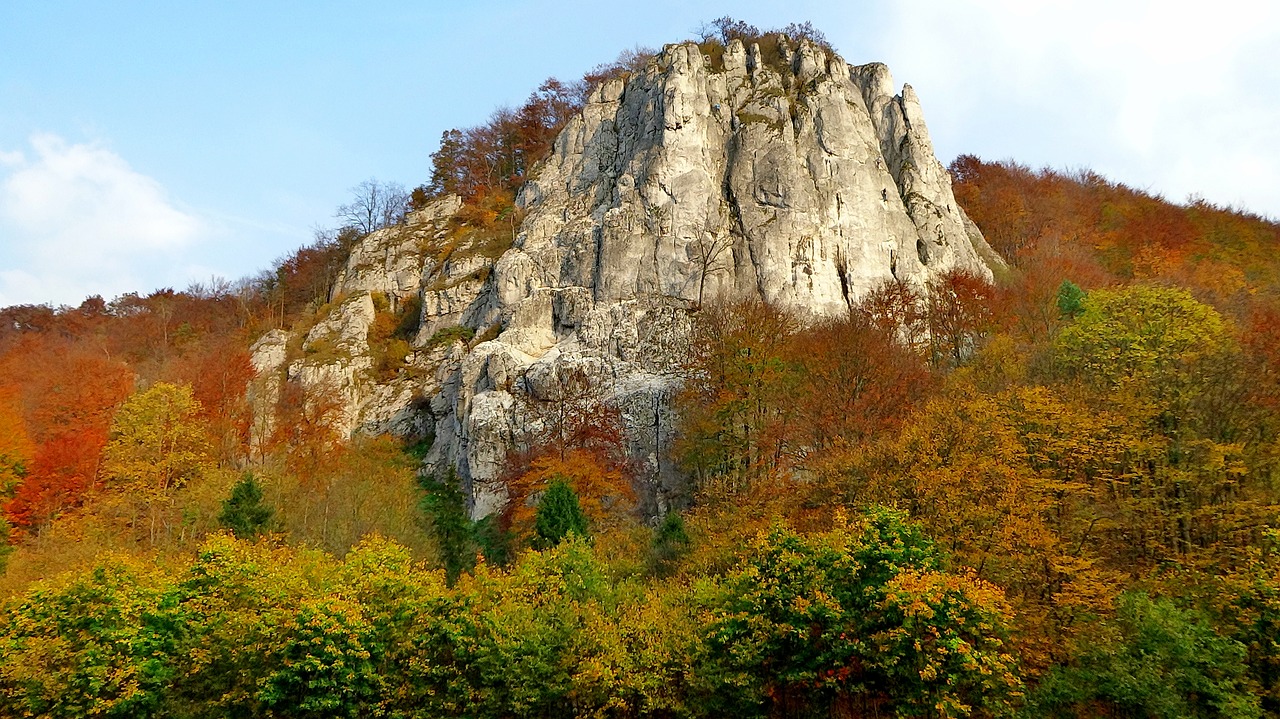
(796, 179)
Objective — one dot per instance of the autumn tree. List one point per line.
(306, 429)
(16, 448)
(736, 405)
(959, 315)
(219, 370)
(602, 492)
(569, 412)
(157, 445)
(855, 380)
(1172, 365)
(66, 418)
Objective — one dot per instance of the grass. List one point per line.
(449, 335)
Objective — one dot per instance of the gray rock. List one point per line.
(804, 183)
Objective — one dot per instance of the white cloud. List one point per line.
(77, 220)
(1178, 98)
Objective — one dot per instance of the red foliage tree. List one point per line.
(857, 380)
(69, 394)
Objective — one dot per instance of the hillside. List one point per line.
(698, 387)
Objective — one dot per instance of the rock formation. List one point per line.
(790, 177)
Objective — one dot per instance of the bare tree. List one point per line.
(709, 251)
(374, 205)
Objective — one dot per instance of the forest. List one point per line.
(1054, 495)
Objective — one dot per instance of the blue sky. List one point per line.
(156, 144)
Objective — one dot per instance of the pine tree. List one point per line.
(559, 513)
(244, 512)
(670, 543)
(446, 510)
(1070, 299)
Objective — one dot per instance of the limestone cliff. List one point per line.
(794, 178)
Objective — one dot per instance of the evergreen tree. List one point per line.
(670, 543)
(559, 514)
(244, 512)
(1070, 299)
(446, 510)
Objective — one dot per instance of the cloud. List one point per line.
(78, 220)
(1168, 100)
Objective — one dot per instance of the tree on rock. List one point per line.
(559, 515)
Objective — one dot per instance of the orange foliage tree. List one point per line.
(578, 439)
(603, 490)
(69, 394)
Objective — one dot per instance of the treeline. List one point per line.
(64, 372)
(859, 619)
(1107, 231)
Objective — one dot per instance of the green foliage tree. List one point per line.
(1245, 606)
(91, 645)
(324, 667)
(670, 543)
(244, 512)
(860, 619)
(6, 533)
(559, 515)
(1155, 660)
(1070, 299)
(445, 508)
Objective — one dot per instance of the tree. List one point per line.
(559, 515)
(374, 205)
(66, 418)
(708, 254)
(446, 510)
(16, 448)
(737, 405)
(898, 307)
(90, 645)
(959, 316)
(1070, 299)
(158, 443)
(670, 543)
(244, 512)
(1155, 660)
(856, 380)
(1142, 338)
(727, 29)
(859, 619)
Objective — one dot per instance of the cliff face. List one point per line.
(798, 179)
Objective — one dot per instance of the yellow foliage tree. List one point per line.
(158, 443)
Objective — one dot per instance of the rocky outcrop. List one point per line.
(790, 177)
